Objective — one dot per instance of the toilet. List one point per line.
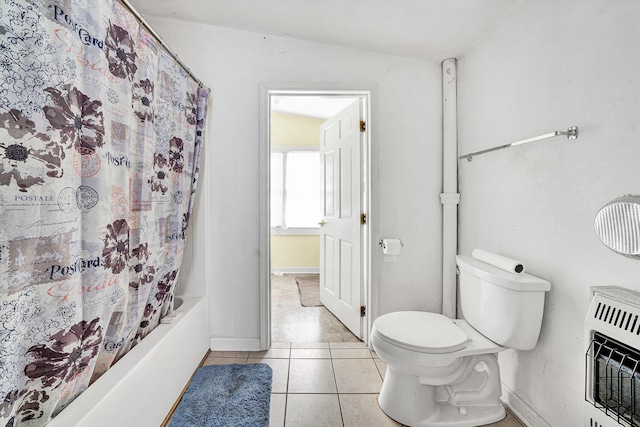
(444, 372)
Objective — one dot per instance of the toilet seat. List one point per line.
(421, 332)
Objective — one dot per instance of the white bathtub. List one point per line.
(177, 302)
(141, 388)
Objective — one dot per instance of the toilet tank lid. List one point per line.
(518, 282)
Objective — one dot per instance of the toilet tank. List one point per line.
(505, 307)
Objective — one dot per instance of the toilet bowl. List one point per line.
(444, 372)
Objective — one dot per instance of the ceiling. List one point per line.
(427, 29)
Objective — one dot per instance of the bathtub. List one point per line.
(141, 388)
(177, 302)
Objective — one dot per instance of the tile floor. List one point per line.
(323, 375)
(323, 384)
(319, 384)
(291, 322)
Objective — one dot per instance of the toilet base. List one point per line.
(472, 400)
(447, 415)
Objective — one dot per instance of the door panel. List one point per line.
(328, 161)
(340, 261)
(346, 273)
(346, 174)
(327, 271)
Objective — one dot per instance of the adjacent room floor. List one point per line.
(322, 374)
(291, 322)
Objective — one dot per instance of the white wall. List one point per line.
(548, 66)
(406, 169)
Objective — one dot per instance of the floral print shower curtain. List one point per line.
(100, 139)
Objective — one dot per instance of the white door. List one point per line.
(340, 266)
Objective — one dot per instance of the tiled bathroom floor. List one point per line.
(323, 375)
(323, 384)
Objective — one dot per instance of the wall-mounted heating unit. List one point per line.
(612, 374)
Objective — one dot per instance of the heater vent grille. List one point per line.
(618, 317)
(612, 374)
(616, 379)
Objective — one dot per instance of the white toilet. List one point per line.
(444, 372)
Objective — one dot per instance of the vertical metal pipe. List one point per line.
(449, 197)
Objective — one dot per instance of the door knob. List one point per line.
(321, 223)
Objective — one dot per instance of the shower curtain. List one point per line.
(100, 138)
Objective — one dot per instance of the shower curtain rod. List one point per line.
(572, 133)
(162, 43)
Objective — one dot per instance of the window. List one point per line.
(295, 189)
(277, 190)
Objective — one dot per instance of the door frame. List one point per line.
(268, 90)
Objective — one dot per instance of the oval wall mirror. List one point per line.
(617, 225)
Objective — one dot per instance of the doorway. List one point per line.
(341, 260)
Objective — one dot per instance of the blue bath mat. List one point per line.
(226, 395)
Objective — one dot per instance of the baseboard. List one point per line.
(521, 409)
(296, 270)
(234, 344)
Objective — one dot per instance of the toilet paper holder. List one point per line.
(381, 242)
